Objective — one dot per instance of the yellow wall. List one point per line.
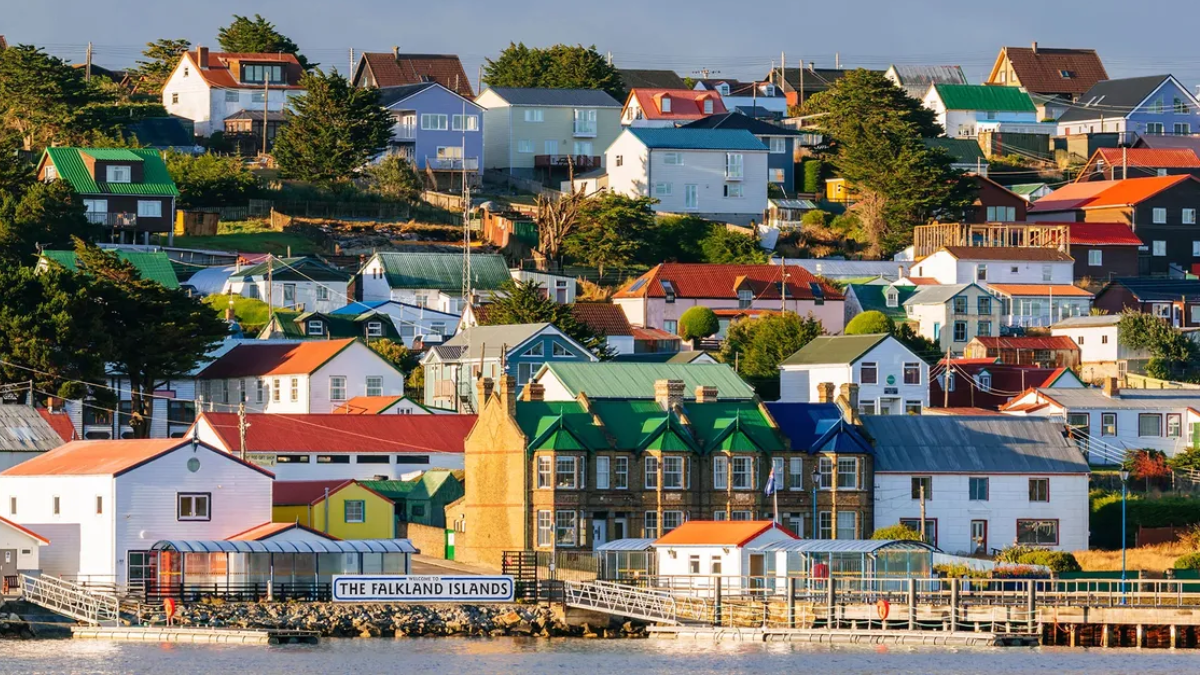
(290, 514)
(378, 520)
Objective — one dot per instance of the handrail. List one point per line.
(71, 600)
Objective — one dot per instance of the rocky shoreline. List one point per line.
(395, 620)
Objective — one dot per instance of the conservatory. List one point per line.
(841, 558)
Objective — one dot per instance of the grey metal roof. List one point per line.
(1113, 99)
(626, 545)
(489, 341)
(936, 295)
(833, 268)
(1089, 321)
(315, 546)
(393, 95)
(842, 546)
(991, 444)
(804, 204)
(1128, 399)
(23, 429)
(595, 98)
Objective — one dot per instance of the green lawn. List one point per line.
(251, 236)
(250, 312)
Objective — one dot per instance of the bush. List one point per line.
(1057, 561)
(210, 180)
(959, 571)
(1190, 561)
(697, 323)
(896, 533)
(870, 323)
(817, 218)
(1105, 521)
(812, 176)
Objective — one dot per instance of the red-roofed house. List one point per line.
(669, 107)
(20, 550)
(985, 383)
(1047, 352)
(1118, 163)
(211, 88)
(1104, 250)
(281, 532)
(314, 376)
(342, 447)
(103, 504)
(659, 297)
(1054, 77)
(717, 547)
(393, 69)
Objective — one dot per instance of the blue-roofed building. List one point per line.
(719, 174)
(412, 321)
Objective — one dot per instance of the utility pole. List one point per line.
(352, 62)
(801, 99)
(837, 60)
(783, 290)
(782, 68)
(87, 70)
(949, 373)
(479, 80)
(922, 508)
(242, 429)
(266, 99)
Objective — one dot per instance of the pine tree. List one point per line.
(42, 98)
(258, 36)
(557, 67)
(161, 58)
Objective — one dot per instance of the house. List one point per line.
(437, 130)
(965, 154)
(1104, 250)
(292, 500)
(1030, 192)
(635, 78)
(1056, 77)
(353, 510)
(152, 265)
(1148, 105)
(787, 214)
(1047, 352)
(383, 405)
(1119, 163)
(412, 322)
(313, 376)
(780, 143)
(1064, 204)
(532, 131)
(709, 549)
(26, 432)
(300, 283)
(1176, 300)
(753, 99)
(1108, 422)
(1168, 142)
(430, 280)
(452, 369)
(666, 108)
(719, 174)
(916, 80)
(421, 500)
(995, 203)
(385, 70)
(103, 504)
(20, 550)
(658, 298)
(951, 314)
(557, 286)
(986, 384)
(987, 265)
(981, 483)
(1040, 305)
(888, 300)
(227, 93)
(891, 379)
(799, 84)
(288, 325)
(607, 319)
(967, 110)
(342, 447)
(1101, 353)
(616, 380)
(126, 192)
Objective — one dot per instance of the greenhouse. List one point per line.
(861, 558)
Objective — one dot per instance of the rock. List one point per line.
(510, 619)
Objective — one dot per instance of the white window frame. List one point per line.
(472, 123)
(620, 473)
(1158, 215)
(118, 173)
(847, 473)
(778, 145)
(545, 528)
(776, 176)
(535, 115)
(691, 197)
(358, 514)
(673, 158)
(662, 189)
(544, 472)
(566, 472)
(195, 498)
(734, 191)
(149, 208)
(603, 473)
(720, 472)
(795, 475)
(742, 473)
(337, 387)
(434, 122)
(1095, 257)
(525, 146)
(735, 166)
(1159, 247)
(650, 472)
(674, 472)
(374, 385)
(1189, 216)
(847, 530)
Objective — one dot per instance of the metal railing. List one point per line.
(635, 603)
(452, 163)
(71, 600)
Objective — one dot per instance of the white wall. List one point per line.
(26, 548)
(1099, 344)
(306, 293)
(799, 383)
(81, 541)
(207, 106)
(1008, 501)
(949, 270)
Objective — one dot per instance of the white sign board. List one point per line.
(404, 588)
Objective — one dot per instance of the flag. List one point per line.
(769, 489)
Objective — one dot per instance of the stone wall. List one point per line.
(430, 541)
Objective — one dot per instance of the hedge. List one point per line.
(1164, 512)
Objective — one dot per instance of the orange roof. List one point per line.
(1054, 376)
(686, 104)
(256, 360)
(1102, 234)
(216, 72)
(60, 422)
(1133, 191)
(924, 281)
(268, 530)
(603, 317)
(107, 458)
(1155, 158)
(717, 533)
(35, 535)
(1070, 196)
(653, 334)
(367, 405)
(1025, 290)
(705, 280)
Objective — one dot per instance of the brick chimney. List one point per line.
(396, 52)
(848, 400)
(507, 391)
(485, 387)
(668, 393)
(202, 57)
(1035, 47)
(706, 394)
(1111, 388)
(825, 392)
(534, 391)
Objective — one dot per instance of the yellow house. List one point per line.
(838, 190)
(355, 512)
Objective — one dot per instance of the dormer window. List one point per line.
(374, 329)
(723, 89)
(118, 173)
(258, 73)
(668, 290)
(315, 327)
(769, 90)
(708, 106)
(1067, 74)
(893, 298)
(745, 298)
(51, 173)
(665, 104)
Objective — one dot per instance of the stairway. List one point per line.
(71, 600)
(636, 603)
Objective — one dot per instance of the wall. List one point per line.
(557, 126)
(891, 355)
(628, 176)
(497, 131)
(496, 510)
(831, 313)
(25, 548)
(1127, 430)
(292, 514)
(991, 195)
(355, 363)
(438, 100)
(305, 293)
(430, 541)
(799, 383)
(706, 170)
(1115, 261)
(936, 322)
(949, 270)
(81, 541)
(193, 93)
(378, 521)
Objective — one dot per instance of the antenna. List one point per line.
(466, 218)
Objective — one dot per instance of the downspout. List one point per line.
(326, 530)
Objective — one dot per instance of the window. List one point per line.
(984, 329)
(708, 106)
(566, 526)
(620, 473)
(261, 73)
(673, 158)
(824, 473)
(337, 388)
(778, 145)
(847, 473)
(651, 473)
(825, 525)
(914, 524)
(1160, 248)
(662, 189)
(960, 331)
(671, 326)
(1181, 128)
(919, 482)
(1039, 489)
(743, 473)
(602, 473)
(650, 525)
(691, 196)
(672, 473)
(892, 298)
(120, 173)
(175, 98)
(745, 298)
(99, 505)
(565, 473)
(985, 305)
(315, 327)
(664, 104)
(232, 96)
(1095, 257)
(869, 373)
(734, 166)
(295, 389)
(538, 349)
(545, 527)
(12, 506)
(978, 489)
(693, 564)
(583, 148)
(1180, 106)
(1149, 424)
(733, 190)
(796, 474)
(57, 505)
(672, 520)
(259, 393)
(191, 506)
(1037, 532)
(543, 473)
(472, 123)
(912, 407)
(1047, 273)
(620, 160)
(374, 329)
(1154, 127)
(1108, 424)
(847, 525)
(322, 292)
(535, 115)
(721, 472)
(149, 208)
(1189, 218)
(525, 146)
(960, 303)
(912, 373)
(715, 565)
(374, 385)
(558, 349)
(432, 122)
(354, 510)
(1103, 339)
(1174, 425)
(1002, 213)
(1159, 215)
(258, 97)
(550, 147)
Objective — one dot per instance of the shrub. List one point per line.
(1018, 572)
(816, 218)
(1105, 524)
(812, 176)
(1057, 561)
(697, 323)
(869, 323)
(896, 533)
(1190, 561)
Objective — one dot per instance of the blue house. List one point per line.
(440, 131)
(453, 369)
(780, 142)
(1151, 105)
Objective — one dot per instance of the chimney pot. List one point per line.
(849, 392)
(668, 393)
(508, 393)
(706, 394)
(395, 52)
(486, 386)
(1035, 47)
(202, 57)
(825, 392)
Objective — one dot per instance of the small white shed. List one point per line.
(18, 548)
(702, 548)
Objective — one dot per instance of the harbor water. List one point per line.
(524, 656)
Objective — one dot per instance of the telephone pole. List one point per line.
(949, 373)
(266, 105)
(922, 508)
(87, 70)
(270, 288)
(242, 429)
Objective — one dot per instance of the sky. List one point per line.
(686, 36)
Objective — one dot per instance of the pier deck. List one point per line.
(242, 636)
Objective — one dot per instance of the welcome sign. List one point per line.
(407, 588)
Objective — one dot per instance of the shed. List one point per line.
(864, 558)
(18, 551)
(626, 559)
(697, 553)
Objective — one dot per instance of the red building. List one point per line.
(984, 383)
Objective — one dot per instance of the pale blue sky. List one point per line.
(738, 39)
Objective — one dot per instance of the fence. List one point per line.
(522, 184)
(1135, 381)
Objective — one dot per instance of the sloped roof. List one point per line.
(1167, 290)
(152, 265)
(591, 98)
(835, 349)
(394, 70)
(873, 298)
(302, 492)
(268, 530)
(602, 317)
(294, 325)
(6, 521)
(443, 271)
(1133, 191)
(1089, 321)
(108, 458)
(1040, 70)
(367, 405)
(633, 78)
(984, 97)
(490, 341)
(282, 433)
(1070, 196)
(1103, 234)
(24, 428)
(916, 80)
(804, 424)
(736, 120)
(217, 71)
(1153, 158)
(718, 533)
(703, 280)
(1112, 99)
(686, 104)
(636, 380)
(685, 138)
(984, 444)
(1040, 290)
(393, 95)
(298, 268)
(1129, 399)
(1169, 141)
(936, 295)
(257, 360)
(1058, 342)
(961, 150)
(426, 486)
(60, 422)
(1007, 253)
(1025, 189)
(69, 163)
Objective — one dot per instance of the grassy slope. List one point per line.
(250, 312)
(251, 236)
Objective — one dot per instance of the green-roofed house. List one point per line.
(127, 192)
(153, 265)
(292, 325)
(421, 500)
(890, 378)
(967, 110)
(615, 380)
(878, 298)
(1031, 192)
(433, 280)
(965, 153)
(302, 284)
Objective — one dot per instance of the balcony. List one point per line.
(404, 132)
(452, 163)
(585, 129)
(581, 162)
(112, 220)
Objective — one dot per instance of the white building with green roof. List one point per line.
(966, 110)
(891, 378)
(433, 280)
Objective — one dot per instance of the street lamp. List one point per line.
(1124, 493)
(816, 525)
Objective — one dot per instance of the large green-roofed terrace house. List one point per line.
(433, 280)
(127, 193)
(967, 110)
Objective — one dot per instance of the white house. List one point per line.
(1101, 354)
(987, 482)
(20, 548)
(952, 314)
(720, 174)
(314, 376)
(412, 321)
(986, 265)
(1110, 421)
(340, 447)
(432, 280)
(891, 379)
(212, 87)
(103, 504)
(966, 110)
(708, 549)
(304, 284)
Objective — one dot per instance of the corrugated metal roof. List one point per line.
(211, 280)
(626, 545)
(1112, 99)
(1008, 253)
(24, 429)
(833, 268)
(1142, 399)
(443, 271)
(716, 532)
(961, 150)
(915, 80)
(867, 546)
(490, 341)
(1039, 290)
(1089, 321)
(835, 349)
(984, 97)
(952, 444)
(592, 98)
(697, 139)
(253, 359)
(804, 424)
(1165, 290)
(270, 546)
(1028, 342)
(109, 458)
(736, 120)
(156, 180)
(1103, 234)
(873, 298)
(155, 266)
(283, 433)
(636, 380)
(936, 295)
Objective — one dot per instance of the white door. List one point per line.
(599, 532)
(691, 196)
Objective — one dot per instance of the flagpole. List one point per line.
(775, 496)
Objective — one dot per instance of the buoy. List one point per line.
(169, 609)
(883, 607)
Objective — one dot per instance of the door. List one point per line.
(691, 197)
(979, 543)
(8, 562)
(599, 532)
(449, 544)
(289, 295)
(620, 526)
(758, 570)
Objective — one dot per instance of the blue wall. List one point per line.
(1137, 120)
(783, 161)
(436, 100)
(533, 363)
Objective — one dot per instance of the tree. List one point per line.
(677, 239)
(258, 36)
(395, 177)
(920, 345)
(210, 180)
(869, 323)
(698, 323)
(612, 232)
(1172, 353)
(42, 97)
(759, 345)
(154, 333)
(556, 219)
(519, 302)
(723, 246)
(557, 67)
(812, 175)
(161, 57)
(43, 214)
(331, 130)
(815, 218)
(896, 533)
(396, 354)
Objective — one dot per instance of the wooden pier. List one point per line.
(239, 636)
(845, 636)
